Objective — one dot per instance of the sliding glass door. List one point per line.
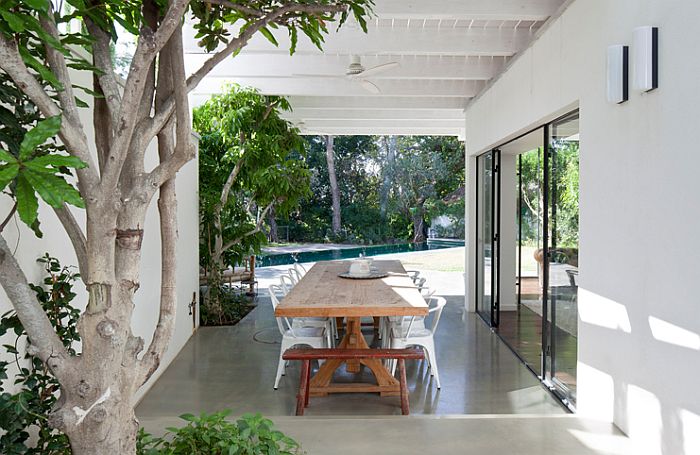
(527, 249)
(561, 274)
(487, 236)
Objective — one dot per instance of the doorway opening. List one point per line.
(528, 248)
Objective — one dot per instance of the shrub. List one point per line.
(26, 410)
(213, 434)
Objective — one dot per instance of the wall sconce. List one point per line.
(646, 58)
(618, 73)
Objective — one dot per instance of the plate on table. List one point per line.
(373, 275)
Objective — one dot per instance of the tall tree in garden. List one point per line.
(389, 146)
(39, 52)
(251, 163)
(428, 168)
(333, 179)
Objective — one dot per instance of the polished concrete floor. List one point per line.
(234, 368)
(463, 435)
(489, 402)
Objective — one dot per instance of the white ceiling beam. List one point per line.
(412, 67)
(526, 10)
(386, 131)
(345, 87)
(340, 114)
(366, 123)
(369, 102)
(491, 41)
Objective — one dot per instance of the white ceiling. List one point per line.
(448, 50)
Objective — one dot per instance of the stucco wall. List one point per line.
(639, 348)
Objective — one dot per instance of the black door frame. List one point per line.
(494, 310)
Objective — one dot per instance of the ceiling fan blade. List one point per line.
(369, 72)
(370, 87)
(321, 76)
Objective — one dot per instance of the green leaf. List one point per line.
(7, 157)
(37, 66)
(188, 417)
(40, 163)
(13, 20)
(293, 38)
(8, 172)
(43, 130)
(27, 203)
(41, 5)
(54, 190)
(268, 34)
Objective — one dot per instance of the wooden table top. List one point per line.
(322, 293)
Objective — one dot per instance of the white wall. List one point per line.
(508, 232)
(639, 325)
(56, 242)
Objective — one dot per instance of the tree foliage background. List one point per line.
(426, 180)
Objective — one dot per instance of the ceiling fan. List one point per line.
(358, 73)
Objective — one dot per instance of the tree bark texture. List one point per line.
(272, 222)
(333, 179)
(418, 218)
(390, 145)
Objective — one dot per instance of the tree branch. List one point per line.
(76, 236)
(57, 63)
(243, 38)
(235, 6)
(72, 135)
(167, 206)
(44, 340)
(258, 228)
(149, 44)
(102, 59)
(8, 217)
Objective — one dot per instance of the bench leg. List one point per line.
(302, 398)
(404, 388)
(308, 384)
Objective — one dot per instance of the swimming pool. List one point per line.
(346, 253)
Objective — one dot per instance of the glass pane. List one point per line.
(563, 254)
(521, 314)
(485, 235)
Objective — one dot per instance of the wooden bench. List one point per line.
(306, 355)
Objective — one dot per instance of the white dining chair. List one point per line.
(286, 283)
(295, 275)
(303, 323)
(293, 335)
(413, 274)
(417, 334)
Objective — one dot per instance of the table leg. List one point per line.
(387, 385)
(355, 341)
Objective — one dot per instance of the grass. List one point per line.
(445, 260)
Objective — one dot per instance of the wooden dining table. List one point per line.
(323, 293)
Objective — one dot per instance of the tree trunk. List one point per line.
(418, 225)
(335, 192)
(272, 222)
(388, 173)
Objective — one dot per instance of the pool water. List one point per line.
(346, 253)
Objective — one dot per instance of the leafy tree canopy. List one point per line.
(251, 161)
